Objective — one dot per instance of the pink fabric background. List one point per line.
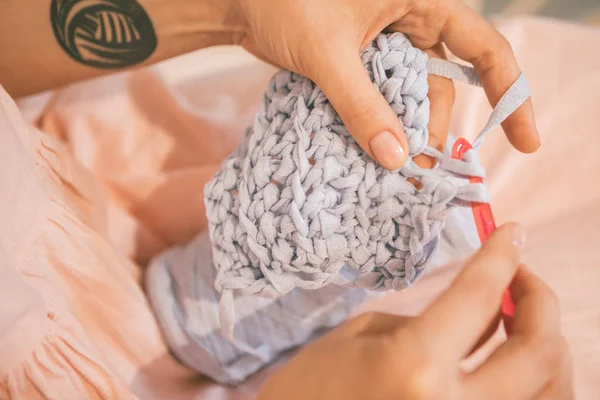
(100, 176)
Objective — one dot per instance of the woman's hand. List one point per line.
(379, 356)
(322, 39)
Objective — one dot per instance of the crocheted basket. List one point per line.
(299, 203)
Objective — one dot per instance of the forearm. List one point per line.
(46, 44)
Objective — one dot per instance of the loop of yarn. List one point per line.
(299, 199)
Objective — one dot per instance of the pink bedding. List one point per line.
(97, 178)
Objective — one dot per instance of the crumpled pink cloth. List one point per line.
(97, 178)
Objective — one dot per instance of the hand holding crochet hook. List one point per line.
(380, 356)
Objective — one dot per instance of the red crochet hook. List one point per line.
(484, 219)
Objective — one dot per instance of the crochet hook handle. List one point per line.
(484, 219)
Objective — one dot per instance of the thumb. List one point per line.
(363, 109)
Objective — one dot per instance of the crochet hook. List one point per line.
(484, 219)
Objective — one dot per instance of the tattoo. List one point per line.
(103, 33)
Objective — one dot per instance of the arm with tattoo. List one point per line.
(45, 44)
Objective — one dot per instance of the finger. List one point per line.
(561, 386)
(536, 306)
(472, 38)
(441, 96)
(526, 364)
(487, 334)
(367, 115)
(466, 309)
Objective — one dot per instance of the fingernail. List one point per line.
(519, 236)
(387, 150)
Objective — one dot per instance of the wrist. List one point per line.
(186, 25)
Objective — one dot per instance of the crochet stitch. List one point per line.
(300, 204)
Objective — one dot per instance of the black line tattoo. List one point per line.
(103, 33)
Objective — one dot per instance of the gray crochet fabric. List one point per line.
(179, 285)
(300, 205)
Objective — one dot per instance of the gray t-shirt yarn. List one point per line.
(299, 203)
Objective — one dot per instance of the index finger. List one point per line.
(533, 353)
(466, 309)
(536, 306)
(473, 39)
